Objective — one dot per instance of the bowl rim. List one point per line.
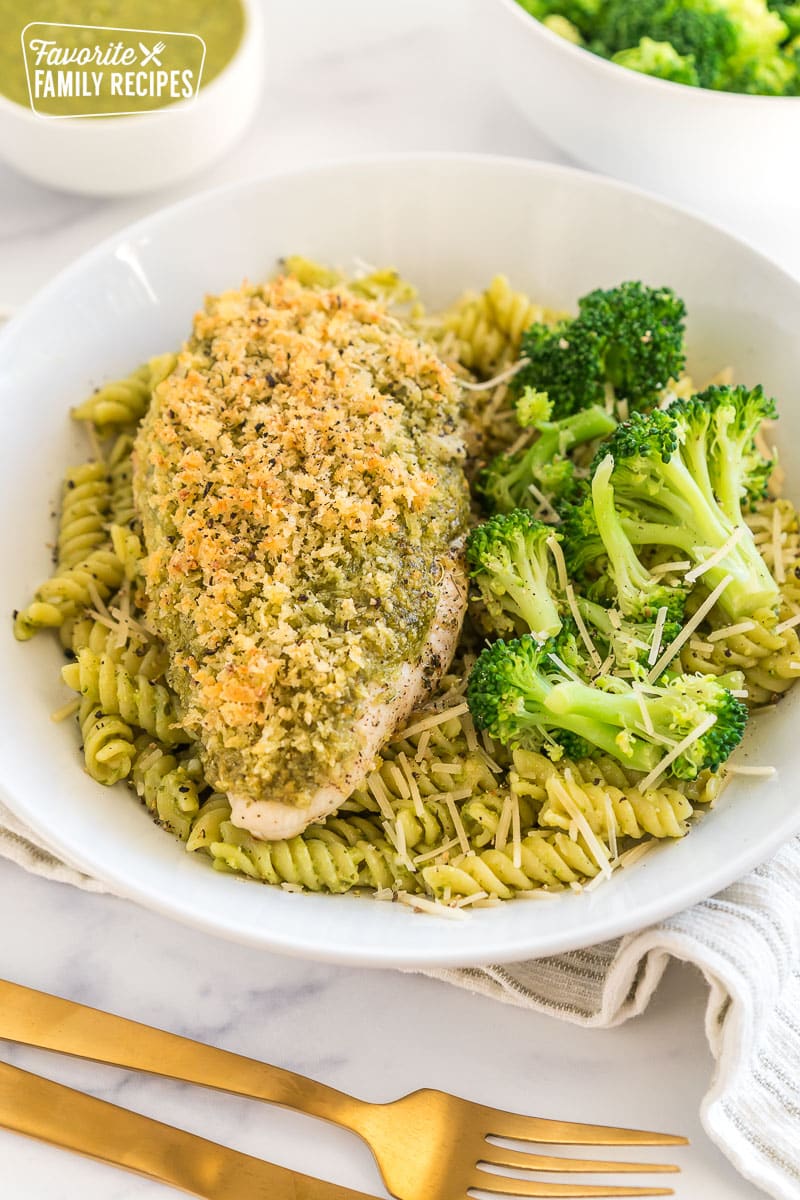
(612, 69)
(221, 922)
(253, 25)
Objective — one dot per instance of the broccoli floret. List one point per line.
(659, 59)
(564, 28)
(769, 75)
(628, 641)
(567, 361)
(644, 347)
(517, 693)
(696, 28)
(532, 407)
(720, 427)
(789, 13)
(580, 13)
(629, 338)
(654, 484)
(607, 563)
(509, 560)
(505, 483)
(759, 31)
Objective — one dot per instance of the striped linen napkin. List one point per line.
(746, 942)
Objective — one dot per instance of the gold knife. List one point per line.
(37, 1019)
(64, 1117)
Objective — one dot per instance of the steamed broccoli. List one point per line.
(628, 641)
(509, 561)
(517, 693)
(608, 565)
(729, 45)
(720, 427)
(628, 338)
(659, 59)
(676, 478)
(695, 28)
(505, 483)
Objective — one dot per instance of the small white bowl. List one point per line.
(117, 156)
(715, 150)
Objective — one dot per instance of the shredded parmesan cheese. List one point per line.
(730, 631)
(424, 905)
(430, 722)
(485, 385)
(676, 751)
(670, 568)
(789, 623)
(66, 710)
(593, 843)
(717, 556)
(755, 772)
(658, 633)
(582, 630)
(688, 629)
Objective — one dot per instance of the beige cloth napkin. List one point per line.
(746, 942)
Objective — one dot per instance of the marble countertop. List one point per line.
(343, 79)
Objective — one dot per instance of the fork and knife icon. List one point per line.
(151, 56)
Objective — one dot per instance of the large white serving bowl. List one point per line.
(717, 150)
(448, 223)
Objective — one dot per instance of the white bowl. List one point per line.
(118, 156)
(716, 150)
(448, 223)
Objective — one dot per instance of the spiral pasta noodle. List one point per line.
(107, 744)
(137, 654)
(85, 512)
(124, 402)
(69, 592)
(168, 784)
(487, 326)
(105, 682)
(120, 470)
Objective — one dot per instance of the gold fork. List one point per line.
(428, 1145)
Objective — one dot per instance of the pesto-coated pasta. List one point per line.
(107, 743)
(168, 784)
(103, 680)
(124, 401)
(85, 512)
(70, 592)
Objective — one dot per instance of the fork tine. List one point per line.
(499, 1156)
(568, 1133)
(498, 1185)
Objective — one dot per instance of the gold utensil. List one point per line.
(59, 1115)
(428, 1145)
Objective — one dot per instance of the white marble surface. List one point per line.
(345, 78)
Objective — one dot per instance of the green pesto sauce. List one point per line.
(220, 23)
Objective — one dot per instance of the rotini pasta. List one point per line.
(104, 681)
(168, 784)
(70, 592)
(124, 401)
(85, 512)
(487, 326)
(107, 743)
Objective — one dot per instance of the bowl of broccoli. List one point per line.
(694, 98)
